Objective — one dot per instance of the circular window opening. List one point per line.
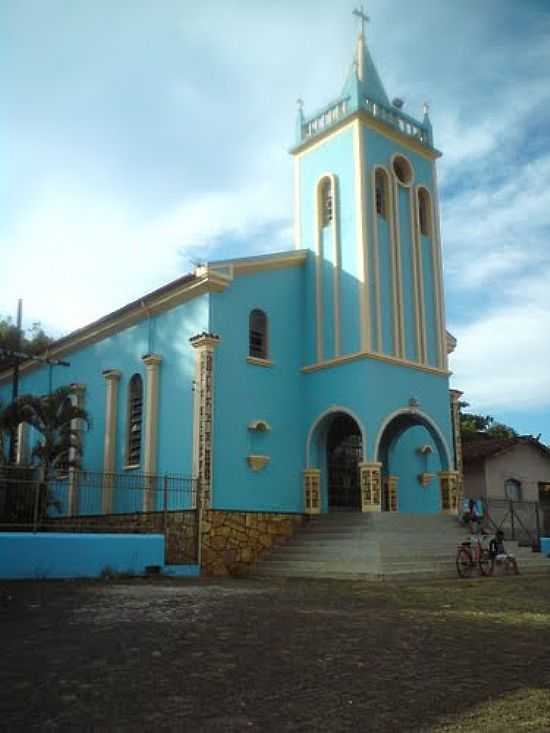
(402, 169)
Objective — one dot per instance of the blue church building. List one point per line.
(300, 382)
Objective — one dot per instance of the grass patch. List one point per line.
(526, 710)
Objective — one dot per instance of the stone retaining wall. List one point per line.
(233, 541)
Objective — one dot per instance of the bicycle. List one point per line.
(471, 554)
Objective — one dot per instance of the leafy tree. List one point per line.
(60, 444)
(33, 341)
(8, 423)
(482, 427)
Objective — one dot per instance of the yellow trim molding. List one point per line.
(328, 363)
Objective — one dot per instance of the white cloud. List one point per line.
(502, 359)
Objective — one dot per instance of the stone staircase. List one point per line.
(354, 545)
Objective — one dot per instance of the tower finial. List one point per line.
(426, 108)
(360, 13)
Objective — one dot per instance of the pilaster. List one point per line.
(205, 345)
(152, 365)
(390, 485)
(312, 491)
(78, 393)
(371, 494)
(112, 379)
(449, 491)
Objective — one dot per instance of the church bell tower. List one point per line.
(366, 206)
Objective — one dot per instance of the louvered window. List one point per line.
(258, 334)
(135, 413)
(380, 189)
(424, 218)
(327, 203)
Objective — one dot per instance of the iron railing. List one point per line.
(86, 500)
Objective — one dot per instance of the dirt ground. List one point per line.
(241, 655)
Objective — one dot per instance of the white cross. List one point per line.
(359, 12)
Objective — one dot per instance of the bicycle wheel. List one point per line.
(484, 562)
(464, 563)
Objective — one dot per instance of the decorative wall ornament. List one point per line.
(425, 479)
(390, 485)
(261, 426)
(414, 403)
(425, 450)
(257, 462)
(371, 480)
(312, 491)
(205, 344)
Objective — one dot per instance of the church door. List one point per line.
(344, 453)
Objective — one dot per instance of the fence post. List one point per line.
(537, 521)
(512, 523)
(35, 507)
(165, 501)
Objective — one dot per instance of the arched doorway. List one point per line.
(344, 452)
(413, 453)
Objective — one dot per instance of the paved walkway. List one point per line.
(267, 655)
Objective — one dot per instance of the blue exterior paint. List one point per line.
(545, 545)
(169, 333)
(429, 299)
(408, 289)
(61, 555)
(246, 392)
(407, 464)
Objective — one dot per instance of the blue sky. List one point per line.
(137, 136)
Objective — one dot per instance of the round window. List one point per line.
(403, 170)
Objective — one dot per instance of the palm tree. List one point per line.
(52, 416)
(60, 444)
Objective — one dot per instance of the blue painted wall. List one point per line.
(334, 156)
(406, 463)
(246, 392)
(59, 555)
(167, 334)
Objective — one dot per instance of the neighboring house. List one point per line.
(516, 469)
(300, 381)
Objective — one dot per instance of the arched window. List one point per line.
(327, 202)
(381, 192)
(424, 213)
(257, 334)
(135, 412)
(512, 489)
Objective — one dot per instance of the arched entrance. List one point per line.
(333, 453)
(413, 454)
(344, 453)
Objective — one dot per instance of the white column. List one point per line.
(112, 379)
(77, 398)
(152, 365)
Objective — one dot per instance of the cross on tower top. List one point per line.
(360, 13)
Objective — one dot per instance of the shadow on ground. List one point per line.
(285, 656)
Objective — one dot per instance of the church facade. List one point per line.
(302, 382)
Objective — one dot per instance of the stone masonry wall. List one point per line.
(233, 541)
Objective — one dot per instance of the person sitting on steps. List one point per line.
(498, 553)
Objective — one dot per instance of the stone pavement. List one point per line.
(266, 655)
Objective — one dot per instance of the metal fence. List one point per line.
(91, 501)
(519, 520)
